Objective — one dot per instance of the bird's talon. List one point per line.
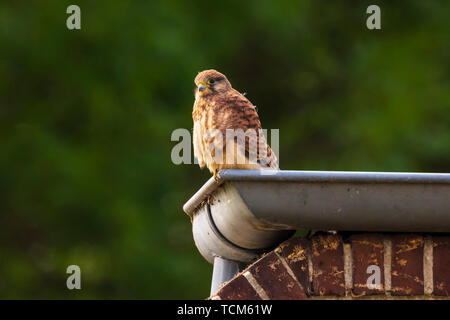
(215, 175)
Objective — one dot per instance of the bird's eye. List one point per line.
(211, 81)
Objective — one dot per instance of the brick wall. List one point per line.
(358, 266)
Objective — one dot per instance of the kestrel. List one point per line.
(219, 112)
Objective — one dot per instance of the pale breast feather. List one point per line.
(197, 142)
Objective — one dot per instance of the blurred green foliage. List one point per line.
(86, 117)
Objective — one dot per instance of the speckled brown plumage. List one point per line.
(219, 107)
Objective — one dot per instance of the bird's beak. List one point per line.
(201, 87)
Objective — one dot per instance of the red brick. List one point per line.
(273, 277)
(295, 251)
(367, 250)
(238, 289)
(407, 265)
(328, 265)
(441, 265)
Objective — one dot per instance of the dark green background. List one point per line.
(86, 117)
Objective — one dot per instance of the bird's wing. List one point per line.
(239, 113)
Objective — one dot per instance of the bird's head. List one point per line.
(210, 82)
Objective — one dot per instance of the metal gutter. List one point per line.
(252, 210)
(246, 212)
(311, 176)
